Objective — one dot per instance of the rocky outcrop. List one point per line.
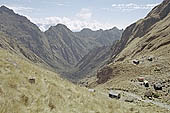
(104, 74)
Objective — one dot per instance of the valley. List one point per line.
(88, 71)
(58, 48)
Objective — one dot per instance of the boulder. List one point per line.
(156, 95)
(141, 79)
(168, 80)
(113, 94)
(148, 94)
(158, 86)
(136, 62)
(150, 59)
(129, 99)
(32, 80)
(146, 83)
(91, 90)
(104, 74)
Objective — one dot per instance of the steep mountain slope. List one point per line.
(73, 46)
(24, 36)
(59, 48)
(9, 44)
(89, 64)
(148, 42)
(142, 28)
(109, 36)
(29, 88)
(99, 43)
(26, 88)
(65, 44)
(147, 37)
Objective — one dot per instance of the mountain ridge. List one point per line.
(26, 86)
(58, 48)
(153, 42)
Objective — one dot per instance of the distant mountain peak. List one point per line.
(86, 29)
(60, 27)
(161, 10)
(3, 8)
(114, 28)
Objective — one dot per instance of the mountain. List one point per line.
(58, 48)
(90, 63)
(147, 37)
(146, 25)
(103, 37)
(22, 35)
(75, 48)
(26, 86)
(26, 37)
(143, 51)
(65, 44)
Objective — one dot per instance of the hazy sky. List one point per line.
(78, 14)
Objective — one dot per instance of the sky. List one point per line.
(79, 14)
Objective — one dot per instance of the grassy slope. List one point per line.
(155, 43)
(49, 93)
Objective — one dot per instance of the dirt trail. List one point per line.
(163, 105)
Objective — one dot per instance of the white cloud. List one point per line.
(84, 14)
(57, 3)
(60, 4)
(73, 24)
(132, 6)
(81, 20)
(20, 9)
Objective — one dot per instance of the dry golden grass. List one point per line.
(155, 43)
(50, 93)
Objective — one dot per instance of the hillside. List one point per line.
(73, 46)
(26, 87)
(148, 42)
(65, 45)
(89, 64)
(58, 48)
(27, 55)
(153, 41)
(23, 36)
